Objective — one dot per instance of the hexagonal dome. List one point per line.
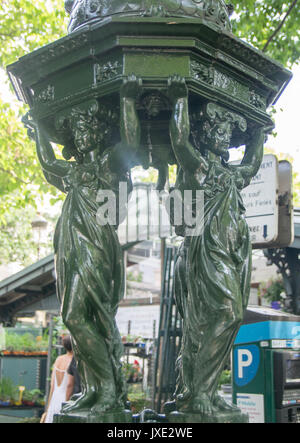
(84, 11)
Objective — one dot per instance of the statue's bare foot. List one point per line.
(201, 404)
(85, 401)
(105, 405)
(106, 400)
(222, 405)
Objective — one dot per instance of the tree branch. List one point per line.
(12, 174)
(280, 25)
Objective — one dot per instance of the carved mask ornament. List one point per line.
(154, 103)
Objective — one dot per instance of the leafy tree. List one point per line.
(26, 25)
(270, 25)
(16, 236)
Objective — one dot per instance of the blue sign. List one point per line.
(268, 330)
(246, 364)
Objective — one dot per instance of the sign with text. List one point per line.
(261, 202)
(147, 216)
(253, 405)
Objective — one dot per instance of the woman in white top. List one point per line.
(59, 382)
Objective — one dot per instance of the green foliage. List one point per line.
(34, 396)
(17, 243)
(16, 237)
(138, 399)
(26, 25)
(273, 290)
(18, 164)
(256, 22)
(137, 277)
(25, 342)
(226, 378)
(30, 420)
(8, 391)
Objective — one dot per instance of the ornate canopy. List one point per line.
(83, 11)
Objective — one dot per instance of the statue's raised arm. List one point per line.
(253, 156)
(45, 151)
(186, 155)
(123, 155)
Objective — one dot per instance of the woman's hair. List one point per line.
(67, 343)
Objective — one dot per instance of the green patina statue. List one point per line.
(88, 256)
(213, 270)
(196, 91)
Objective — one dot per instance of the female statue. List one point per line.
(213, 270)
(88, 257)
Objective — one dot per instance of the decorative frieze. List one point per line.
(46, 95)
(107, 71)
(215, 78)
(214, 11)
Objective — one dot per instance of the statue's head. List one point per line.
(87, 128)
(213, 125)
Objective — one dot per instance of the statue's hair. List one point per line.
(69, 5)
(230, 9)
(213, 112)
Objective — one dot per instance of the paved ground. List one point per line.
(9, 419)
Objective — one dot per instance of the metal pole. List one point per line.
(152, 366)
(162, 259)
(48, 370)
(128, 333)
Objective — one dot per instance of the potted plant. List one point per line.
(274, 292)
(225, 382)
(32, 397)
(128, 371)
(138, 399)
(38, 397)
(25, 344)
(8, 392)
(27, 399)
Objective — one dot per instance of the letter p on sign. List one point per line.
(245, 360)
(246, 363)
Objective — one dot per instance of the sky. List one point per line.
(288, 121)
(287, 124)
